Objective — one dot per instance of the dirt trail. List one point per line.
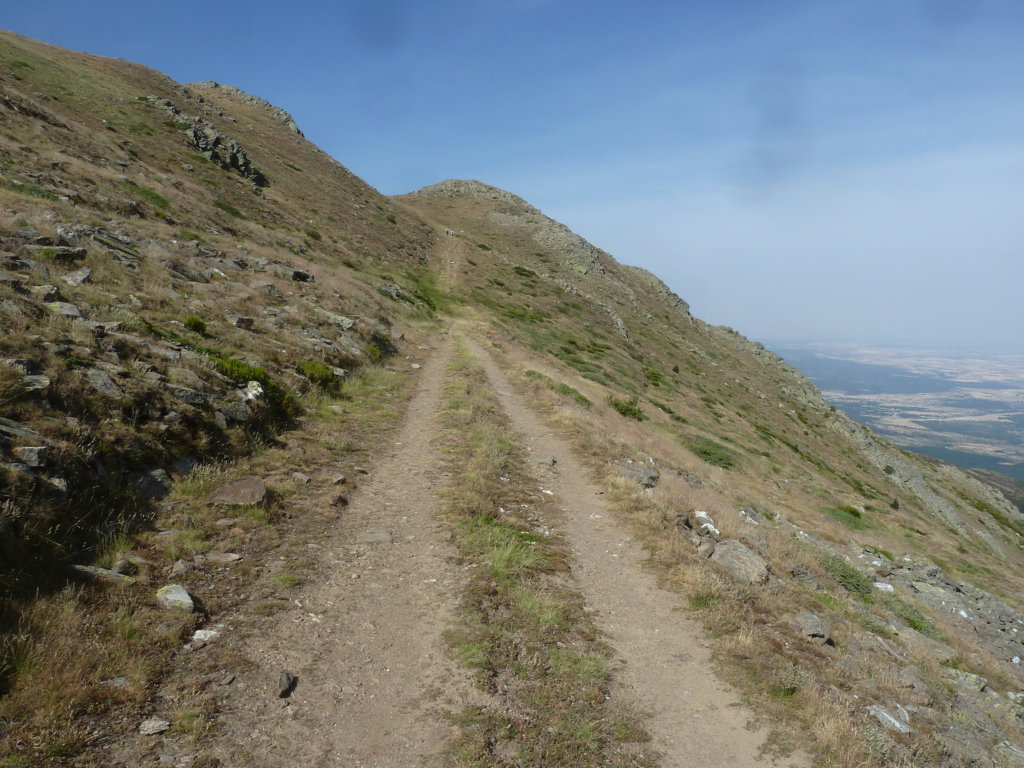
(693, 718)
(364, 639)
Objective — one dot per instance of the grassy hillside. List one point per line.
(189, 289)
(890, 551)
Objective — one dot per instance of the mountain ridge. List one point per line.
(194, 293)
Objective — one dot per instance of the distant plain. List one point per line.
(967, 409)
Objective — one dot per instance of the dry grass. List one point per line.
(798, 685)
(522, 628)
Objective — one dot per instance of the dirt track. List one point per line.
(665, 668)
(365, 636)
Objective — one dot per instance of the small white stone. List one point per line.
(153, 725)
(883, 587)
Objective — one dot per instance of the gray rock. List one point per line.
(240, 321)
(101, 574)
(33, 456)
(923, 647)
(186, 377)
(1009, 755)
(64, 309)
(701, 523)
(15, 429)
(743, 565)
(222, 558)
(965, 680)
(102, 383)
(707, 546)
(154, 484)
(76, 278)
(153, 725)
(646, 477)
(301, 477)
(174, 597)
(59, 252)
(890, 721)
(45, 293)
(116, 682)
(35, 383)
(235, 411)
(180, 568)
(809, 625)
(286, 683)
(241, 492)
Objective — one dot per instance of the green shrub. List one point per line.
(712, 452)
(910, 615)
(196, 324)
(148, 195)
(379, 347)
(629, 408)
(312, 234)
(653, 377)
(228, 208)
(320, 374)
(849, 516)
(848, 577)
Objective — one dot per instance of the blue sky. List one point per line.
(827, 170)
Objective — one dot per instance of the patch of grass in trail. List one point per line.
(560, 388)
(521, 627)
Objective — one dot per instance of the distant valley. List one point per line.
(964, 409)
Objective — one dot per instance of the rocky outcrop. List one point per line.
(213, 145)
(247, 98)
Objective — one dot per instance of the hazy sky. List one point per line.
(833, 170)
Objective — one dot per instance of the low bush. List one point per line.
(711, 452)
(629, 408)
(196, 324)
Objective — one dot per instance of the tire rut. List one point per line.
(365, 639)
(665, 671)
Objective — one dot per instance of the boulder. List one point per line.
(64, 309)
(33, 456)
(242, 492)
(102, 383)
(965, 680)
(174, 597)
(702, 524)
(76, 278)
(809, 625)
(154, 484)
(153, 725)
(899, 722)
(743, 565)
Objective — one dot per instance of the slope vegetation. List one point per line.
(192, 293)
